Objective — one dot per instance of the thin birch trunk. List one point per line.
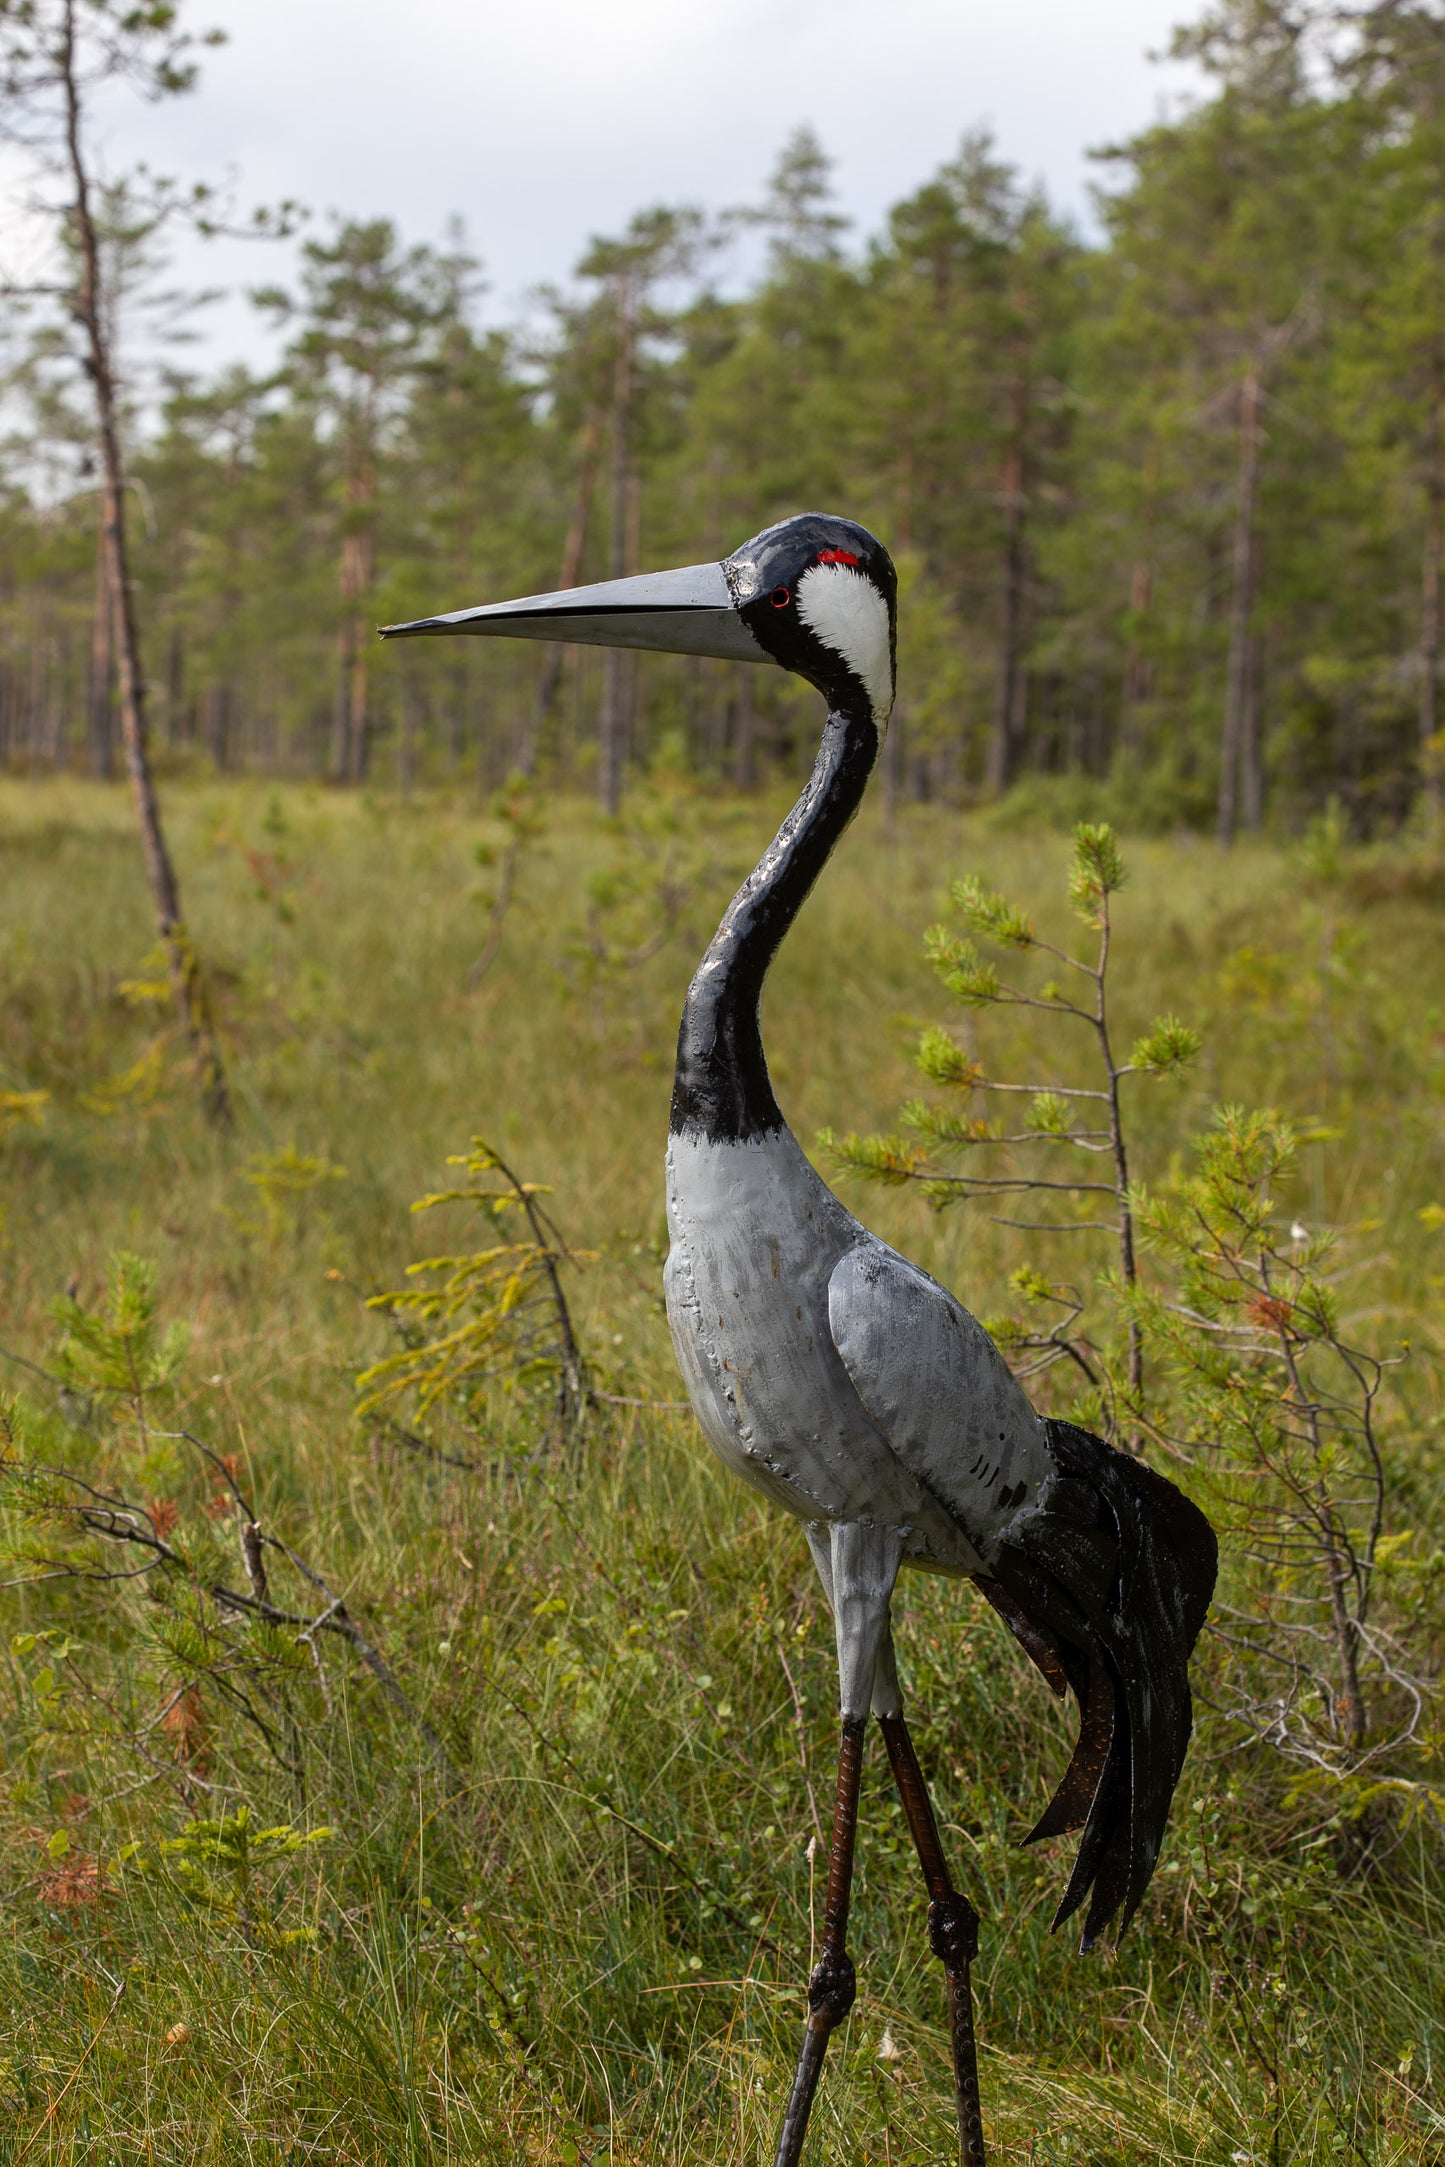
(339, 760)
(744, 728)
(613, 721)
(102, 668)
(1251, 745)
(892, 764)
(175, 686)
(1239, 680)
(1138, 669)
(406, 740)
(1430, 612)
(187, 983)
(573, 549)
(358, 566)
(1007, 718)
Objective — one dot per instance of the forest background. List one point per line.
(412, 1745)
(1167, 503)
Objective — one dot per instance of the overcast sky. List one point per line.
(543, 121)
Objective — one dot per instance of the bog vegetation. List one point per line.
(410, 1741)
(415, 1745)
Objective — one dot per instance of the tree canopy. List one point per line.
(1167, 502)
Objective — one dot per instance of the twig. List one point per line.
(114, 1519)
(616, 1399)
(497, 915)
(338, 1619)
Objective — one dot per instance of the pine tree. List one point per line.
(55, 58)
(367, 318)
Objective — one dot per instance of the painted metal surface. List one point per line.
(952, 1932)
(687, 612)
(755, 1238)
(839, 1379)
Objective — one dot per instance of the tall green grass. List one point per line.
(586, 1936)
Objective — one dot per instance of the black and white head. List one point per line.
(814, 594)
(820, 596)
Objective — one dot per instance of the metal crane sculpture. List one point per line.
(839, 1379)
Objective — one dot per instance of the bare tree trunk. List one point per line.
(572, 552)
(744, 728)
(102, 670)
(358, 565)
(1138, 669)
(1008, 719)
(1251, 742)
(457, 708)
(49, 703)
(1239, 681)
(187, 983)
(35, 695)
(893, 764)
(221, 727)
(406, 739)
(175, 687)
(339, 760)
(614, 718)
(904, 528)
(1138, 673)
(1430, 613)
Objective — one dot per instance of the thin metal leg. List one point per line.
(952, 1932)
(832, 1986)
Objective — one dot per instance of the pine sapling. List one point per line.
(497, 1316)
(1024, 1150)
(1280, 1408)
(173, 1594)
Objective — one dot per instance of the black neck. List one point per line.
(722, 1090)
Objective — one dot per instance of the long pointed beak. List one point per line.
(686, 612)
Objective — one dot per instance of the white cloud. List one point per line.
(543, 121)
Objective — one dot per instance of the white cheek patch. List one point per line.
(847, 613)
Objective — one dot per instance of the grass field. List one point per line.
(582, 1934)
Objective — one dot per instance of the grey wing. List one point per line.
(938, 1389)
(1104, 1577)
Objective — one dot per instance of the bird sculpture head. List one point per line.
(814, 594)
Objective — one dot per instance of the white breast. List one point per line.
(755, 1239)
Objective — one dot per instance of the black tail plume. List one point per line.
(1105, 1579)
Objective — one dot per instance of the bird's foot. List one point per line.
(952, 1930)
(833, 1987)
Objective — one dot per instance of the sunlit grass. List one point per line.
(592, 1943)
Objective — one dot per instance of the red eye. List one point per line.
(781, 598)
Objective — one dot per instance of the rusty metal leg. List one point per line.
(832, 1986)
(952, 1932)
